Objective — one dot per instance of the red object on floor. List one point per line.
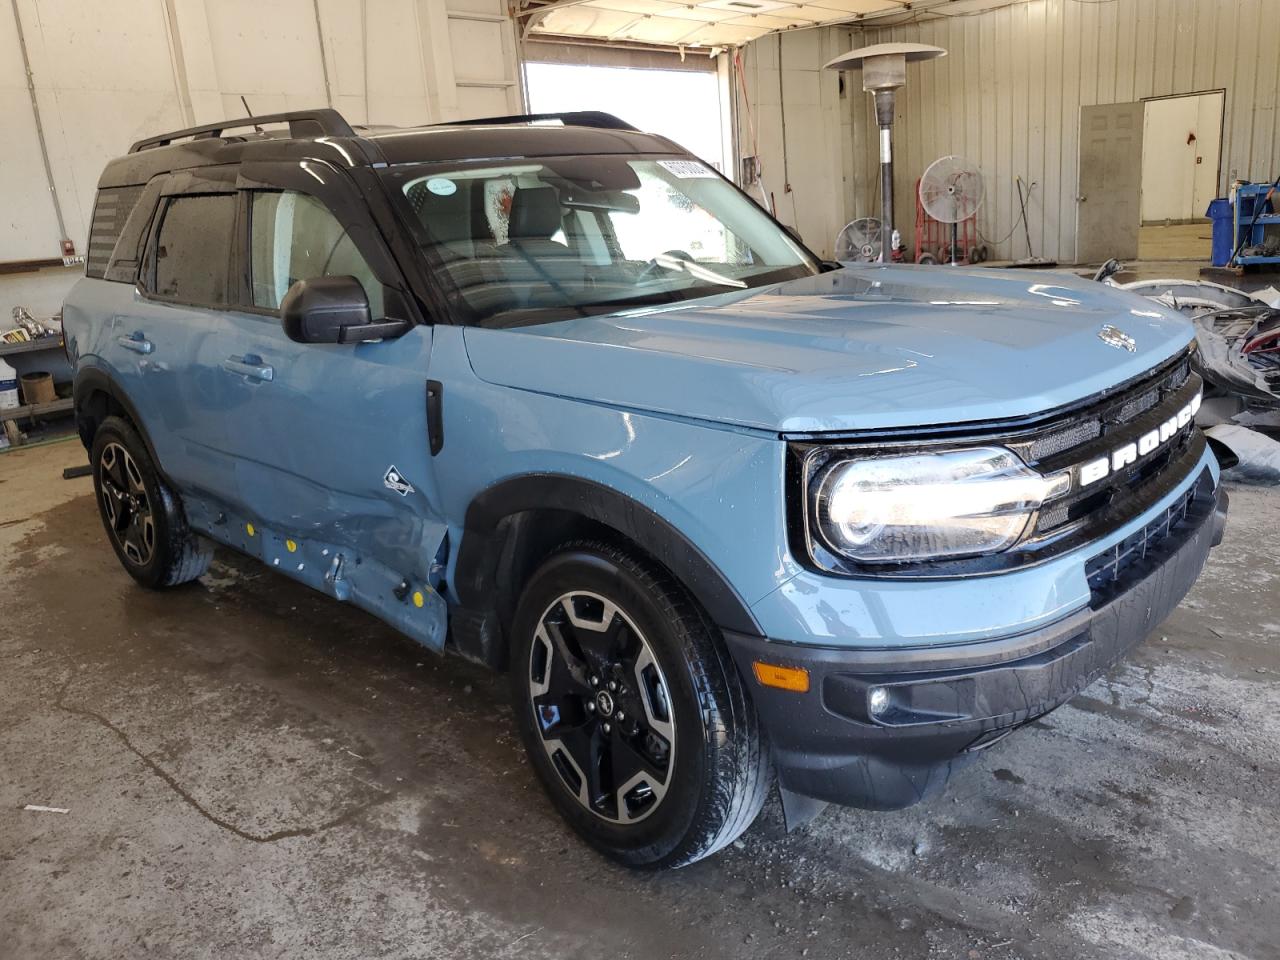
(933, 236)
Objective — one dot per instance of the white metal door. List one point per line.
(1181, 144)
(1110, 182)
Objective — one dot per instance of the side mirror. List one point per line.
(333, 310)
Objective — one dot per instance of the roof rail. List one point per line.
(574, 118)
(303, 124)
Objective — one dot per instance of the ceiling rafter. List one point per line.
(688, 23)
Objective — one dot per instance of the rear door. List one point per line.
(329, 441)
(164, 354)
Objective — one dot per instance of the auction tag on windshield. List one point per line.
(686, 169)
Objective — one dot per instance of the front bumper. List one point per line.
(946, 703)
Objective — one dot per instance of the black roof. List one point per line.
(325, 135)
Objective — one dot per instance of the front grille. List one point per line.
(1073, 436)
(1117, 567)
(1109, 424)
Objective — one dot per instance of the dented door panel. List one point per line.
(331, 453)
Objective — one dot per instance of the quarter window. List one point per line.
(112, 209)
(193, 249)
(295, 237)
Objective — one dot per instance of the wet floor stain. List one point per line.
(251, 769)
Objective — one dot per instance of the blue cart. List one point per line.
(1251, 198)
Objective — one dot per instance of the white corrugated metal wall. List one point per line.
(1009, 94)
(806, 173)
(106, 73)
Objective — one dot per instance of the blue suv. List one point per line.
(554, 394)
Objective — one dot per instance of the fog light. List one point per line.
(877, 700)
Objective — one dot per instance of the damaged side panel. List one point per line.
(413, 606)
(332, 452)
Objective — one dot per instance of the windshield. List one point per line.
(554, 238)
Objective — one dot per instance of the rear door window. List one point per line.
(194, 248)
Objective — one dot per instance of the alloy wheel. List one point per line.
(602, 707)
(126, 504)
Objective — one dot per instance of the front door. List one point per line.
(329, 441)
(1108, 212)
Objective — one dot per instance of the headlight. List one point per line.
(928, 506)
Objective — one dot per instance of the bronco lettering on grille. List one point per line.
(1128, 454)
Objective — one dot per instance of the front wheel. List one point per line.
(632, 712)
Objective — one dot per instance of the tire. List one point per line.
(926, 259)
(598, 633)
(143, 518)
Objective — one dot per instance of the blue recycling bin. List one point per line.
(1223, 229)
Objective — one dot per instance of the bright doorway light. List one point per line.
(683, 105)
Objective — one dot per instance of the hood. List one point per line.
(855, 349)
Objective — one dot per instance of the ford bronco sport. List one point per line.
(561, 398)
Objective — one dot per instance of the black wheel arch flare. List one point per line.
(91, 381)
(489, 554)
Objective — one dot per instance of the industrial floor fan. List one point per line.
(952, 191)
(859, 241)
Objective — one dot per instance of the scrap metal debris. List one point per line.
(1240, 351)
(1189, 296)
(1258, 455)
(27, 328)
(1238, 334)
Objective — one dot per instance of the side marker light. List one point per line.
(795, 679)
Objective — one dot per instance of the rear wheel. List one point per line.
(632, 712)
(143, 518)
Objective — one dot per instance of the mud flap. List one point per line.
(797, 809)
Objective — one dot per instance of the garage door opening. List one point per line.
(1181, 148)
(656, 91)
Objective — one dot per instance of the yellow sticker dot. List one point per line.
(248, 528)
(418, 598)
(291, 546)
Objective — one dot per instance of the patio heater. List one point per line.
(884, 70)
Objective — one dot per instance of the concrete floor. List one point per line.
(253, 770)
(1176, 241)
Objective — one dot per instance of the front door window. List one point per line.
(294, 237)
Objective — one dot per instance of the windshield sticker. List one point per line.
(686, 169)
(442, 187)
(394, 481)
